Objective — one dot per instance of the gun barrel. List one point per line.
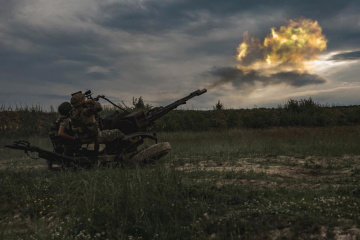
(159, 112)
(201, 91)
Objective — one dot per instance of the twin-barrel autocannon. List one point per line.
(141, 121)
(136, 125)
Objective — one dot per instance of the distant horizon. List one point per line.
(188, 106)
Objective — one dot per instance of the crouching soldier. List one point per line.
(83, 118)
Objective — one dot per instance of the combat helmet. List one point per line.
(65, 108)
(77, 99)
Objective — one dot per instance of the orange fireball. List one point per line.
(289, 48)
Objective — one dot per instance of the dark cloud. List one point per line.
(240, 79)
(152, 16)
(156, 16)
(139, 45)
(57, 96)
(38, 68)
(295, 79)
(7, 7)
(346, 56)
(229, 74)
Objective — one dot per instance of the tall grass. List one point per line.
(331, 141)
(165, 202)
(121, 203)
(25, 120)
(162, 203)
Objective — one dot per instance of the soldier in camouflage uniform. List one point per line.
(83, 118)
(62, 125)
(61, 134)
(64, 122)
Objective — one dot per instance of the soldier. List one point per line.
(83, 118)
(64, 122)
(61, 134)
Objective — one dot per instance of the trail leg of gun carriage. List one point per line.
(77, 134)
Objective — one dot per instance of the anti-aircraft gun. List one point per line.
(136, 125)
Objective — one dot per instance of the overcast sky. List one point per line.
(162, 50)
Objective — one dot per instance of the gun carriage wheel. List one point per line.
(151, 154)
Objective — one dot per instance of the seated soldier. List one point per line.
(61, 134)
(64, 122)
(84, 123)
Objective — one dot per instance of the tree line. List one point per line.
(305, 112)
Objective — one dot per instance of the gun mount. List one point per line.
(136, 125)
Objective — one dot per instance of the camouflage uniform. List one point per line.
(83, 118)
(65, 122)
(62, 121)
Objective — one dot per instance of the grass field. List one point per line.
(279, 183)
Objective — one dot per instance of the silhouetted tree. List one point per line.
(138, 103)
(218, 106)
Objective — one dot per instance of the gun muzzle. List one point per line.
(199, 92)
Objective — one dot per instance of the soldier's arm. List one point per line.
(62, 133)
(92, 107)
(97, 106)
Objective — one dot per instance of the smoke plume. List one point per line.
(283, 57)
